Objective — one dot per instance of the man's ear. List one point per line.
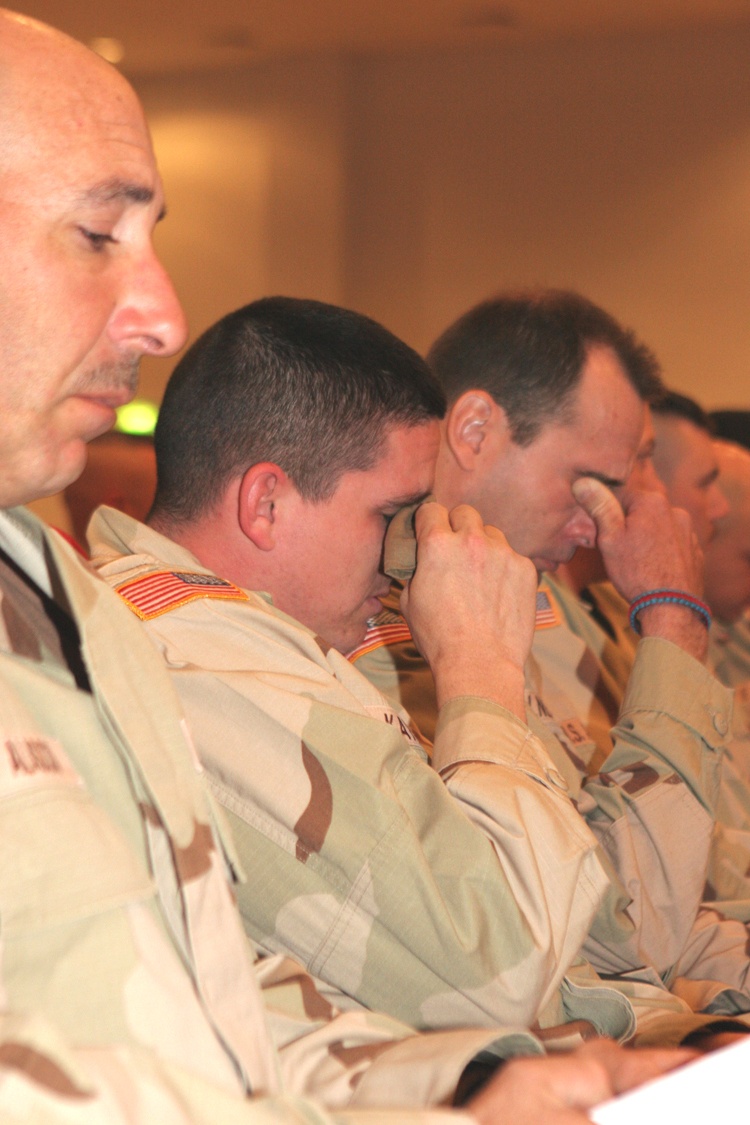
(261, 488)
(475, 423)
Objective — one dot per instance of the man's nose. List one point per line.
(149, 318)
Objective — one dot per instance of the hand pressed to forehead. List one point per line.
(645, 543)
(601, 504)
(471, 606)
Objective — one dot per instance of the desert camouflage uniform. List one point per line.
(604, 661)
(128, 992)
(648, 796)
(729, 656)
(375, 874)
(729, 651)
(363, 863)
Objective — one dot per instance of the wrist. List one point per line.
(667, 597)
(500, 681)
(677, 624)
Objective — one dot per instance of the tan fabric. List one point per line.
(712, 967)
(729, 651)
(400, 548)
(646, 799)
(403, 886)
(128, 992)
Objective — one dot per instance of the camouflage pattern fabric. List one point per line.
(647, 793)
(435, 893)
(729, 656)
(128, 990)
(727, 889)
(408, 888)
(605, 667)
(729, 651)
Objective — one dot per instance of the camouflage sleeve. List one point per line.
(729, 651)
(651, 802)
(728, 881)
(642, 728)
(43, 1080)
(409, 890)
(659, 763)
(414, 891)
(664, 1018)
(367, 1059)
(651, 826)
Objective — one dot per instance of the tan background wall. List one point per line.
(410, 186)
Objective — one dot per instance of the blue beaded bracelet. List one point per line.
(668, 597)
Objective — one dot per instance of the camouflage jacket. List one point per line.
(459, 893)
(729, 651)
(604, 667)
(129, 994)
(647, 793)
(729, 657)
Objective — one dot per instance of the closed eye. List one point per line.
(96, 239)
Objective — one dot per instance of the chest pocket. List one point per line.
(71, 836)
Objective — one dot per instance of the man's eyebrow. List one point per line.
(611, 482)
(405, 501)
(118, 191)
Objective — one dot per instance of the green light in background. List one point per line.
(137, 417)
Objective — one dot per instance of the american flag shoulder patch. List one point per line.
(387, 628)
(547, 613)
(163, 590)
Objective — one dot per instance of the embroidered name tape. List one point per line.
(389, 716)
(163, 590)
(31, 760)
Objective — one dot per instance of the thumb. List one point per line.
(601, 504)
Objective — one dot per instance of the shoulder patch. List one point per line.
(547, 613)
(387, 628)
(163, 590)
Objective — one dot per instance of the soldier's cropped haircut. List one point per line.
(527, 350)
(308, 386)
(672, 404)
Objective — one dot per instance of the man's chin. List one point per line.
(548, 564)
(50, 477)
(545, 566)
(352, 639)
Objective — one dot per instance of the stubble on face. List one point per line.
(528, 491)
(69, 124)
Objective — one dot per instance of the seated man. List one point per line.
(727, 569)
(705, 478)
(289, 435)
(128, 993)
(546, 397)
(583, 656)
(686, 463)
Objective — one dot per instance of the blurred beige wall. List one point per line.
(410, 186)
